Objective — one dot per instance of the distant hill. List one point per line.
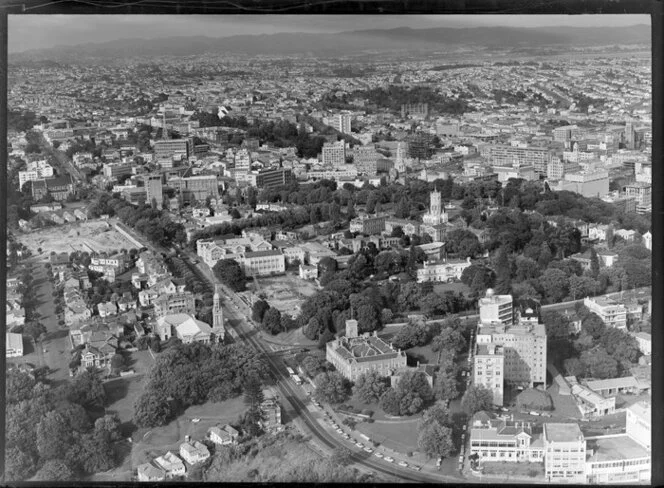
(354, 42)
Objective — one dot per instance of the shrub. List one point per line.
(532, 473)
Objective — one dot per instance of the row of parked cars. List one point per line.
(379, 455)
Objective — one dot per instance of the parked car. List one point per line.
(546, 414)
(439, 462)
(378, 454)
(368, 449)
(195, 420)
(533, 412)
(389, 459)
(403, 463)
(503, 409)
(340, 431)
(360, 445)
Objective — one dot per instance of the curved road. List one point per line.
(290, 393)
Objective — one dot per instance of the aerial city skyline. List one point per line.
(329, 249)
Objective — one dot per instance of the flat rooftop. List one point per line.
(562, 432)
(616, 448)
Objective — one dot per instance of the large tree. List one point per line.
(435, 440)
(54, 470)
(152, 409)
(229, 272)
(445, 383)
(332, 388)
(476, 398)
(272, 321)
(370, 386)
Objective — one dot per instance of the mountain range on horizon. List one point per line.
(351, 42)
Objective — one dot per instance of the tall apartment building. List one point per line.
(629, 135)
(612, 313)
(341, 122)
(503, 155)
(415, 109)
(587, 183)
(641, 192)
(489, 369)
(354, 355)
(523, 344)
(113, 170)
(564, 453)
(173, 148)
(199, 187)
(365, 159)
(153, 190)
(564, 133)
(274, 177)
(334, 153)
(557, 168)
(36, 170)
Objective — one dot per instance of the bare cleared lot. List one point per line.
(90, 236)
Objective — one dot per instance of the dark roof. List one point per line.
(59, 181)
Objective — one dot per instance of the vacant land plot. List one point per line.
(90, 236)
(286, 292)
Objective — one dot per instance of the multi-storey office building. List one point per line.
(502, 155)
(334, 153)
(564, 453)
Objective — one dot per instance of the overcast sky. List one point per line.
(43, 31)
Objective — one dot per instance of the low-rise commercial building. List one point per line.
(612, 313)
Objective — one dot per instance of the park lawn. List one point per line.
(293, 337)
(121, 393)
(457, 287)
(423, 354)
(399, 436)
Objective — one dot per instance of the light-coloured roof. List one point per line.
(14, 341)
(642, 410)
(624, 382)
(562, 432)
(616, 448)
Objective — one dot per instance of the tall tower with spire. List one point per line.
(436, 214)
(218, 328)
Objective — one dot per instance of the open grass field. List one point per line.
(150, 443)
(286, 292)
(93, 235)
(441, 288)
(399, 436)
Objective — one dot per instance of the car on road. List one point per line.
(378, 454)
(360, 445)
(368, 449)
(196, 420)
(533, 412)
(389, 459)
(403, 463)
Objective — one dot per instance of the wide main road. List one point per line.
(295, 396)
(238, 320)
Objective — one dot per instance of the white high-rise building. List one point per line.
(341, 122)
(334, 153)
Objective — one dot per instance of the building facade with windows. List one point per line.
(444, 271)
(489, 370)
(334, 153)
(612, 313)
(263, 263)
(501, 440)
(564, 453)
(354, 355)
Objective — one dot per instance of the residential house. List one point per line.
(308, 272)
(224, 435)
(107, 309)
(148, 472)
(98, 357)
(194, 452)
(171, 464)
